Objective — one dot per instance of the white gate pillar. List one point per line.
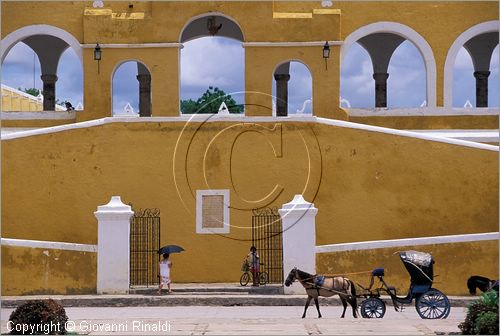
(299, 239)
(113, 247)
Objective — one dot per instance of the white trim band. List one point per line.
(212, 118)
(421, 111)
(134, 45)
(377, 244)
(43, 244)
(290, 44)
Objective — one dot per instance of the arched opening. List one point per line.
(392, 73)
(292, 89)
(212, 65)
(356, 81)
(131, 90)
(406, 83)
(480, 41)
(381, 40)
(38, 64)
(475, 72)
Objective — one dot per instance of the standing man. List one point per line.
(253, 258)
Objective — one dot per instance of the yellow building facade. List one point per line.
(369, 183)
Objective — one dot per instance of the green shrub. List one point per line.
(38, 317)
(487, 324)
(482, 316)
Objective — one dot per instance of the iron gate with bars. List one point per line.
(267, 238)
(144, 246)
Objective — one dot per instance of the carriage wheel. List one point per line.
(245, 277)
(373, 308)
(263, 278)
(433, 305)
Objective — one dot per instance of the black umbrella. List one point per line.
(170, 249)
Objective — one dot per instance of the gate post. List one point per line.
(299, 239)
(113, 247)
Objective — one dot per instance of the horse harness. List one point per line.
(319, 285)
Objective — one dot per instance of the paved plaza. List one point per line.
(210, 320)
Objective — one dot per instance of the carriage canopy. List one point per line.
(420, 268)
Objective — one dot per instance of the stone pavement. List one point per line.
(255, 320)
(227, 294)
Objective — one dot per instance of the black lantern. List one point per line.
(326, 53)
(97, 55)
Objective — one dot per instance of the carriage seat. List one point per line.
(378, 272)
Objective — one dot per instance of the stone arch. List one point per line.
(49, 43)
(281, 75)
(409, 34)
(144, 78)
(195, 27)
(481, 28)
(20, 34)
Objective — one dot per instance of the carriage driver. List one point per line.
(253, 259)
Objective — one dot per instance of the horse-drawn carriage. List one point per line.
(430, 303)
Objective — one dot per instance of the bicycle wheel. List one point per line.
(263, 278)
(433, 305)
(245, 277)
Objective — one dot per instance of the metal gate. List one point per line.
(144, 246)
(267, 238)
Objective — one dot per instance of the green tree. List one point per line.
(210, 102)
(31, 91)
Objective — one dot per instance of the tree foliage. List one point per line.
(210, 102)
(31, 91)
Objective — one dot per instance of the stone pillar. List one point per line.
(299, 239)
(113, 247)
(481, 88)
(281, 94)
(144, 95)
(49, 92)
(381, 89)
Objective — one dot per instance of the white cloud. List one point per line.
(211, 61)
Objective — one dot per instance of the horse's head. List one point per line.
(471, 286)
(291, 277)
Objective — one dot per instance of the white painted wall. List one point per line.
(299, 239)
(113, 247)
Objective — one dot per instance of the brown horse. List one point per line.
(317, 285)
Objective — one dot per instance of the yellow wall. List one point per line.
(366, 185)
(454, 264)
(29, 271)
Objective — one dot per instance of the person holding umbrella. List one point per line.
(166, 265)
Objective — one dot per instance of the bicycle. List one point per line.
(247, 275)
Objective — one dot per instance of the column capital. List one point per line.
(481, 74)
(143, 77)
(49, 78)
(282, 77)
(380, 76)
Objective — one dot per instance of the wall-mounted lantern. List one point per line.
(97, 55)
(326, 53)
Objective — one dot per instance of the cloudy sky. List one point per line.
(219, 62)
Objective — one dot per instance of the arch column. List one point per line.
(49, 91)
(380, 88)
(282, 94)
(144, 95)
(481, 88)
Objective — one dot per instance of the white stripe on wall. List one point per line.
(376, 244)
(48, 245)
(202, 118)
